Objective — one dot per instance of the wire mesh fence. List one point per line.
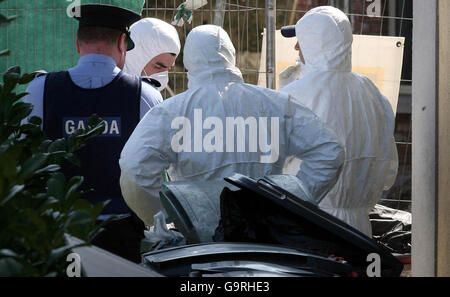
(244, 20)
(38, 41)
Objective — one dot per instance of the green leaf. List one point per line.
(36, 121)
(94, 233)
(32, 164)
(13, 70)
(56, 186)
(49, 204)
(55, 215)
(58, 145)
(8, 159)
(26, 78)
(43, 147)
(48, 169)
(95, 127)
(72, 158)
(10, 267)
(12, 73)
(99, 228)
(79, 217)
(82, 204)
(37, 222)
(74, 183)
(11, 78)
(89, 133)
(94, 120)
(98, 208)
(7, 253)
(4, 53)
(19, 96)
(19, 112)
(2, 185)
(14, 191)
(4, 20)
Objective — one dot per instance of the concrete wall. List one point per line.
(443, 243)
(424, 138)
(431, 139)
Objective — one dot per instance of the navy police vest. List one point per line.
(67, 108)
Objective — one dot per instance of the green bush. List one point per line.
(38, 206)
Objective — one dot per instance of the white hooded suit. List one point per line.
(152, 37)
(353, 107)
(215, 97)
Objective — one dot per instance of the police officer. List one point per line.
(97, 85)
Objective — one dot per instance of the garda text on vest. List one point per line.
(113, 126)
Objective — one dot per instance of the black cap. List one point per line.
(288, 31)
(108, 16)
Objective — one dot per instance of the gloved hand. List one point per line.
(161, 237)
(289, 74)
(185, 11)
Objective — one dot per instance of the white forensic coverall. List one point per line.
(354, 108)
(216, 97)
(152, 37)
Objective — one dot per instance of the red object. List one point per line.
(405, 259)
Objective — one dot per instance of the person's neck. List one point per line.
(99, 53)
(86, 50)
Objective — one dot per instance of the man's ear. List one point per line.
(122, 43)
(78, 46)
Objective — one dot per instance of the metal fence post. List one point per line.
(270, 46)
(219, 13)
